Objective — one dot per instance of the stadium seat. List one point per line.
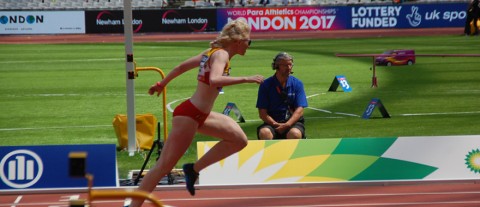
(331, 2)
(189, 4)
(365, 1)
(305, 2)
(253, 3)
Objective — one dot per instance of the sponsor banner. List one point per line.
(286, 18)
(175, 20)
(347, 160)
(408, 16)
(453, 156)
(40, 167)
(112, 21)
(348, 17)
(42, 22)
(188, 20)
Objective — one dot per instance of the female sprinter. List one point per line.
(196, 115)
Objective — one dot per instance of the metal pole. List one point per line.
(130, 74)
(374, 77)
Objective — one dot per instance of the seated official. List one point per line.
(281, 100)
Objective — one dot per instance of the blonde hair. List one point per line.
(237, 29)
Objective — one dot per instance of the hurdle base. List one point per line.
(374, 82)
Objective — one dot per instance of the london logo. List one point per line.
(19, 19)
(21, 169)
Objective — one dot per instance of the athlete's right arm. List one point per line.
(183, 67)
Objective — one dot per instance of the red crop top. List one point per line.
(204, 70)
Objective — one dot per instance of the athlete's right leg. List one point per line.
(232, 139)
(181, 135)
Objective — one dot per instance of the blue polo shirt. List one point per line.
(270, 97)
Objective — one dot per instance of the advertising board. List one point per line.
(408, 16)
(321, 18)
(42, 167)
(380, 159)
(144, 21)
(287, 18)
(42, 22)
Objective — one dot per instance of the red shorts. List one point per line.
(188, 109)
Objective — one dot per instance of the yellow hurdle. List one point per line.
(164, 95)
(77, 167)
(116, 194)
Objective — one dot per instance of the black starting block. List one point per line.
(77, 164)
(77, 203)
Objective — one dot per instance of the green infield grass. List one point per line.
(56, 94)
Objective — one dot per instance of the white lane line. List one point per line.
(413, 114)
(169, 108)
(460, 193)
(62, 61)
(69, 198)
(347, 114)
(317, 94)
(385, 204)
(442, 113)
(324, 196)
(64, 127)
(80, 60)
(17, 201)
(327, 111)
(127, 202)
(279, 197)
(321, 110)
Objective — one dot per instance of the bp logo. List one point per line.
(473, 160)
(21, 169)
